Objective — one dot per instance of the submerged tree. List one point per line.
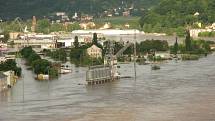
(95, 39)
(188, 41)
(76, 43)
(175, 48)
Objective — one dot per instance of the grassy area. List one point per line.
(119, 22)
(190, 57)
(207, 34)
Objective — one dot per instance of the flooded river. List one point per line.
(180, 91)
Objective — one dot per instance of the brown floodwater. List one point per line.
(179, 91)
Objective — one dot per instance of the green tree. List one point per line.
(26, 52)
(188, 41)
(56, 27)
(72, 27)
(95, 39)
(175, 47)
(33, 56)
(43, 26)
(10, 65)
(76, 43)
(53, 73)
(40, 66)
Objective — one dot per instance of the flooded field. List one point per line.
(180, 91)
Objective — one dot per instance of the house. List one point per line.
(212, 46)
(11, 78)
(1, 36)
(14, 35)
(126, 13)
(94, 52)
(60, 14)
(3, 82)
(86, 18)
(88, 39)
(88, 25)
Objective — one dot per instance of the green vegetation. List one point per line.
(198, 47)
(10, 65)
(58, 55)
(30, 55)
(40, 8)
(43, 26)
(175, 47)
(171, 16)
(79, 56)
(191, 46)
(40, 66)
(190, 57)
(207, 34)
(188, 41)
(76, 42)
(191, 49)
(148, 45)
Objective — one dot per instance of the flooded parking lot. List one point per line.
(180, 91)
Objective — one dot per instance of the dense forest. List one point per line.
(27, 8)
(173, 15)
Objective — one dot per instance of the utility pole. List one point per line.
(23, 88)
(48, 80)
(110, 57)
(135, 54)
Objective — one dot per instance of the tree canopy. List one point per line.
(177, 13)
(40, 8)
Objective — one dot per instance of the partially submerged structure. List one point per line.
(108, 72)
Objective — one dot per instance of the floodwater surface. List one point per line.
(179, 91)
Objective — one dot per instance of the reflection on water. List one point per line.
(180, 91)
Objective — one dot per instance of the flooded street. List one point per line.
(180, 91)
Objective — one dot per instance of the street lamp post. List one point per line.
(135, 53)
(48, 68)
(23, 88)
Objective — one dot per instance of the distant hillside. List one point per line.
(176, 14)
(27, 8)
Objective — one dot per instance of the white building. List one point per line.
(107, 32)
(94, 52)
(11, 80)
(68, 42)
(60, 14)
(195, 32)
(37, 41)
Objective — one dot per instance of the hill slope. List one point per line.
(28, 8)
(178, 13)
